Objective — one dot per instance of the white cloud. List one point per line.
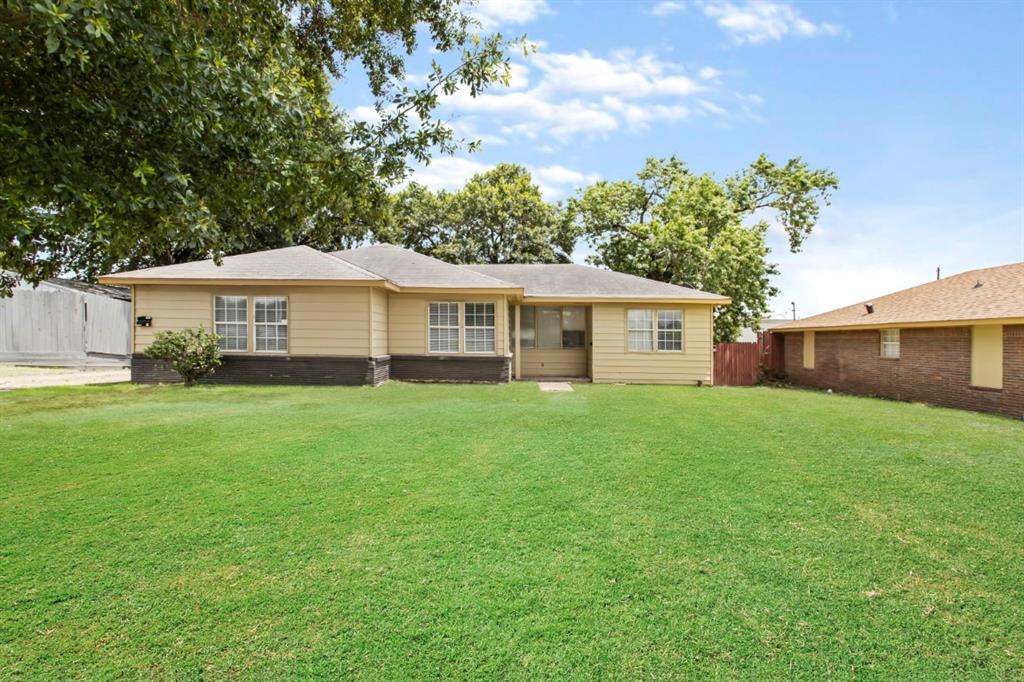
(709, 73)
(519, 77)
(564, 95)
(626, 74)
(366, 114)
(711, 107)
(638, 117)
(467, 129)
(668, 7)
(758, 21)
(493, 14)
(560, 119)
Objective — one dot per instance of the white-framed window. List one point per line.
(270, 324)
(641, 330)
(655, 330)
(231, 322)
(443, 327)
(670, 330)
(479, 327)
(890, 343)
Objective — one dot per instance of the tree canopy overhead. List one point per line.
(673, 225)
(499, 216)
(142, 132)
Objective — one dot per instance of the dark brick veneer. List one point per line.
(934, 367)
(274, 369)
(456, 368)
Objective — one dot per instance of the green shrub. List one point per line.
(193, 353)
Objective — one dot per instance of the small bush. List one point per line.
(193, 353)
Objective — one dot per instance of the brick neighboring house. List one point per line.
(957, 342)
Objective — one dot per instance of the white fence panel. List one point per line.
(107, 325)
(62, 326)
(41, 322)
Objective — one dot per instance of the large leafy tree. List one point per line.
(499, 216)
(142, 132)
(676, 226)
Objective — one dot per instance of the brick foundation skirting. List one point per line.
(453, 368)
(934, 367)
(274, 369)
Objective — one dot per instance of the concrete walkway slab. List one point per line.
(37, 377)
(554, 386)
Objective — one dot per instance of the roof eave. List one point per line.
(966, 322)
(460, 289)
(588, 298)
(247, 281)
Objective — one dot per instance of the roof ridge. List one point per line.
(349, 263)
(389, 245)
(478, 274)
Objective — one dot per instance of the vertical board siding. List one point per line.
(321, 320)
(736, 364)
(614, 363)
(407, 321)
(59, 325)
(108, 325)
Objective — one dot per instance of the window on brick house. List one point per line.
(890, 343)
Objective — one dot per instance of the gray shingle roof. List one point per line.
(410, 269)
(292, 262)
(582, 281)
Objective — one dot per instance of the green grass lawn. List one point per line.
(494, 531)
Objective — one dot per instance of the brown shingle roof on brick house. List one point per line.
(995, 293)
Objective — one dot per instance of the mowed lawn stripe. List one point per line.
(425, 531)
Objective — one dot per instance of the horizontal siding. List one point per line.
(322, 320)
(613, 363)
(378, 322)
(554, 362)
(407, 321)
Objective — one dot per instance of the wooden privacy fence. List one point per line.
(736, 364)
(741, 364)
(61, 327)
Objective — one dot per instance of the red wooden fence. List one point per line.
(736, 364)
(771, 348)
(741, 364)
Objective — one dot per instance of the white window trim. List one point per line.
(459, 325)
(682, 330)
(286, 325)
(465, 326)
(650, 330)
(248, 317)
(654, 330)
(883, 344)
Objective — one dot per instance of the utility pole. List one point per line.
(793, 304)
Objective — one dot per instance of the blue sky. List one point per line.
(918, 107)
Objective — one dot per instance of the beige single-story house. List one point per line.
(956, 341)
(362, 316)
